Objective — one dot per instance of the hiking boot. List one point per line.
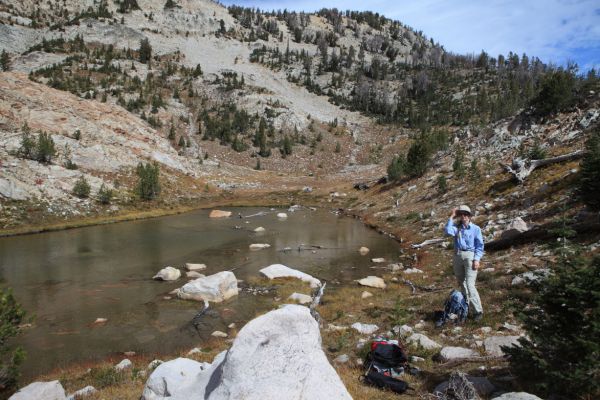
(477, 316)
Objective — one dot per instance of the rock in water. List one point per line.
(373, 281)
(259, 246)
(219, 214)
(217, 287)
(286, 339)
(41, 391)
(363, 251)
(167, 274)
(195, 267)
(281, 215)
(281, 271)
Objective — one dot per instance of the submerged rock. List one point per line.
(281, 271)
(259, 246)
(216, 288)
(219, 214)
(363, 251)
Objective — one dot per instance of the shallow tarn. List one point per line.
(70, 278)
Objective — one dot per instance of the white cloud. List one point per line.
(553, 30)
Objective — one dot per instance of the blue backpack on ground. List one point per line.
(456, 309)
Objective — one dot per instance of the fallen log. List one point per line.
(545, 232)
(522, 168)
(428, 242)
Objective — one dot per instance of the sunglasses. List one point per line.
(463, 213)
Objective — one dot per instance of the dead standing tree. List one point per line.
(522, 168)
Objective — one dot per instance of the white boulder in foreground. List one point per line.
(167, 274)
(287, 340)
(275, 356)
(216, 288)
(373, 281)
(41, 391)
(219, 214)
(259, 246)
(281, 271)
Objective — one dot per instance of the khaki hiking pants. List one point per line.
(466, 276)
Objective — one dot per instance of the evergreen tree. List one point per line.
(442, 184)
(589, 181)
(458, 165)
(417, 159)
(82, 188)
(4, 61)
(11, 316)
(474, 172)
(556, 93)
(105, 195)
(148, 186)
(286, 146)
(559, 355)
(145, 52)
(45, 148)
(397, 168)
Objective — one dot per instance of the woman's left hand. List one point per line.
(475, 265)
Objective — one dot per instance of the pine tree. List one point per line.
(148, 186)
(458, 165)
(145, 52)
(4, 61)
(11, 316)
(417, 159)
(82, 188)
(559, 355)
(397, 168)
(589, 181)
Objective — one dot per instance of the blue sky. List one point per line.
(556, 31)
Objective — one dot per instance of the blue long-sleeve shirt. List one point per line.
(467, 238)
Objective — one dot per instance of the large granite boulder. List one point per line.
(41, 391)
(217, 287)
(277, 356)
(281, 271)
(167, 274)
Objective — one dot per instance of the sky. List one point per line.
(555, 31)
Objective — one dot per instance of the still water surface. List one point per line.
(67, 279)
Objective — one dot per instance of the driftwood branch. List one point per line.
(315, 302)
(427, 243)
(198, 316)
(522, 168)
(541, 233)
